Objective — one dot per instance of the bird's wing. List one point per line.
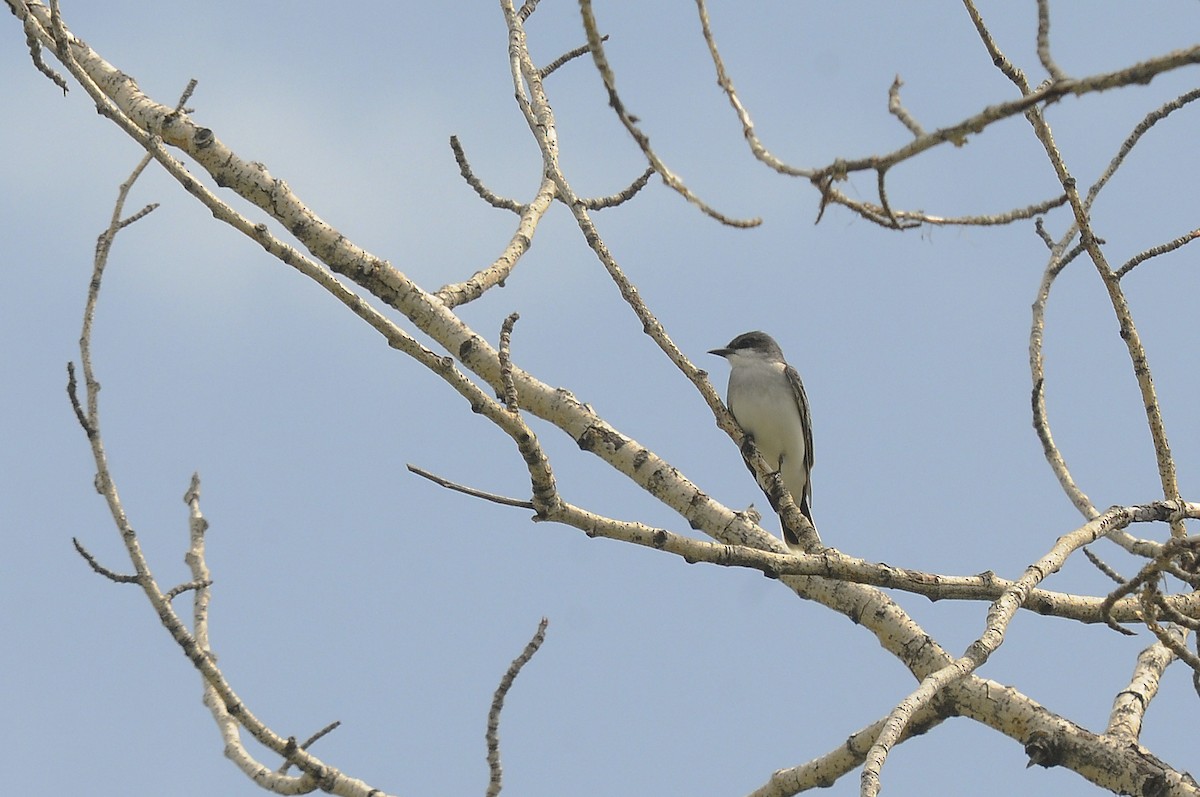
(793, 378)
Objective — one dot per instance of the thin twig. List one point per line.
(565, 57)
(1175, 548)
(118, 578)
(495, 781)
(1100, 565)
(1148, 573)
(1139, 361)
(1041, 422)
(600, 203)
(486, 194)
(1043, 42)
(998, 58)
(76, 406)
(911, 218)
(1039, 226)
(471, 491)
(506, 368)
(455, 294)
(1150, 120)
(188, 90)
(726, 83)
(993, 219)
(1030, 100)
(494, 275)
(881, 189)
(1155, 251)
(1177, 618)
(897, 109)
(309, 742)
(596, 48)
(35, 53)
(316, 737)
(178, 590)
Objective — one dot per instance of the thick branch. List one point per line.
(999, 616)
(1130, 704)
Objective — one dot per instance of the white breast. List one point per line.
(766, 408)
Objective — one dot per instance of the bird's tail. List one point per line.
(789, 535)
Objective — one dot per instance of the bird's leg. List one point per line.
(748, 446)
(749, 449)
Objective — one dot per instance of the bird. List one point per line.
(768, 400)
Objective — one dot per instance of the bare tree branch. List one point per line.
(1155, 251)
(464, 168)
(495, 781)
(596, 46)
(551, 67)
(187, 586)
(506, 377)
(825, 770)
(726, 84)
(115, 577)
(471, 491)
(309, 742)
(897, 109)
(35, 53)
(1151, 119)
(1129, 333)
(1043, 42)
(999, 616)
(1130, 704)
(611, 201)
(845, 584)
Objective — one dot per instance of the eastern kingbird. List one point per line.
(767, 398)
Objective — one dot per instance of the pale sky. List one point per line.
(348, 589)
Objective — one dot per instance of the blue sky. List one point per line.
(346, 588)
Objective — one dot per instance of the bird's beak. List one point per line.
(719, 352)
